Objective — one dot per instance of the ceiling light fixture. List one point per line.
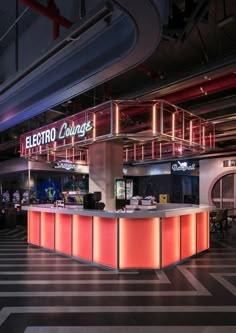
(203, 91)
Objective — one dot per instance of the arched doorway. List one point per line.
(223, 193)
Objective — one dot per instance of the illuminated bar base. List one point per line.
(121, 241)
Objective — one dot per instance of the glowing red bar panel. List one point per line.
(34, 227)
(82, 237)
(188, 235)
(170, 240)
(202, 231)
(48, 230)
(139, 243)
(63, 233)
(105, 241)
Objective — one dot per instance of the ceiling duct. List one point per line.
(73, 67)
(100, 13)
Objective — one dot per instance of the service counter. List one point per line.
(129, 240)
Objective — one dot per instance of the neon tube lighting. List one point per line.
(162, 123)
(72, 138)
(210, 138)
(153, 149)
(117, 120)
(190, 131)
(173, 126)
(94, 126)
(203, 136)
(154, 119)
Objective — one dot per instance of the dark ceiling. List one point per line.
(194, 66)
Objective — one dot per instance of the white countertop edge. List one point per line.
(131, 214)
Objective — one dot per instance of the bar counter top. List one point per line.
(162, 211)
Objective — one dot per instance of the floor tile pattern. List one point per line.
(41, 292)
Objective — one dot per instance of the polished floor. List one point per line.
(41, 292)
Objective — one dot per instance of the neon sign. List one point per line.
(51, 135)
(184, 166)
(40, 138)
(68, 131)
(65, 164)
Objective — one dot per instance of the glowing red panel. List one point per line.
(105, 241)
(63, 233)
(170, 240)
(140, 243)
(47, 230)
(202, 231)
(82, 237)
(188, 235)
(34, 227)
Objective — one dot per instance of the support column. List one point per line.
(105, 165)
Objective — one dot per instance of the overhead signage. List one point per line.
(229, 163)
(183, 166)
(66, 164)
(53, 134)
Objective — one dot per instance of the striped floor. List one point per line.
(41, 292)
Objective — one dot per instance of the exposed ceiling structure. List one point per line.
(183, 51)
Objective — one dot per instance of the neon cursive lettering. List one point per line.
(80, 130)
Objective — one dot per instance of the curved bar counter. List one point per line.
(121, 240)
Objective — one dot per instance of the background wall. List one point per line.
(210, 171)
(21, 164)
(149, 170)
